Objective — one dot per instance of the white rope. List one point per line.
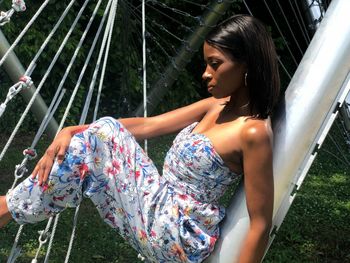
(97, 67)
(51, 238)
(51, 110)
(30, 153)
(21, 169)
(43, 238)
(144, 65)
(15, 251)
(17, 6)
(14, 44)
(104, 63)
(49, 115)
(71, 64)
(70, 246)
(48, 38)
(30, 68)
(45, 233)
(53, 62)
(22, 166)
(75, 220)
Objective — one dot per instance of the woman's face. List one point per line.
(222, 75)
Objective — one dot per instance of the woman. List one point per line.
(174, 217)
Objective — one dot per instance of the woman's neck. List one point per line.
(239, 106)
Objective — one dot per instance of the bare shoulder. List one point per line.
(256, 132)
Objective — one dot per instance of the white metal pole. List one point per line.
(310, 104)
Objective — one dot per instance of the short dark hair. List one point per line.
(247, 40)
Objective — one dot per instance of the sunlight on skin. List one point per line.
(5, 215)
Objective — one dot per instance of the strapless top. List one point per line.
(193, 167)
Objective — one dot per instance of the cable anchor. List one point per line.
(17, 6)
(23, 83)
(30, 153)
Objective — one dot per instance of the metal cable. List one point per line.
(346, 161)
(280, 31)
(279, 60)
(180, 12)
(290, 29)
(149, 35)
(301, 18)
(302, 29)
(171, 18)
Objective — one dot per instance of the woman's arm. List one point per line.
(172, 121)
(141, 128)
(258, 183)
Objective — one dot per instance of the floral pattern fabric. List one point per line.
(170, 218)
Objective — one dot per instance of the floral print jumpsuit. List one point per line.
(171, 217)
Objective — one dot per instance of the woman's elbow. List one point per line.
(261, 227)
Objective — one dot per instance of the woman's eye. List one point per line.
(214, 64)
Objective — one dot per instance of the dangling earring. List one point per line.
(245, 79)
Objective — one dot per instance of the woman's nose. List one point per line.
(207, 76)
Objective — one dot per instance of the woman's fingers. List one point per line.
(46, 173)
(40, 175)
(43, 168)
(61, 154)
(36, 170)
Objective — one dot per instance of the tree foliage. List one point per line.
(122, 90)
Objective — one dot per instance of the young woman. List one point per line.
(173, 217)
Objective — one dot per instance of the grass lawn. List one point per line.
(316, 229)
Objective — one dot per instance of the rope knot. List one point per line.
(26, 81)
(30, 153)
(19, 5)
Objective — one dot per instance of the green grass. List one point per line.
(316, 228)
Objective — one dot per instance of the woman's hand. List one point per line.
(57, 149)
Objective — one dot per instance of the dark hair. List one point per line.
(246, 39)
